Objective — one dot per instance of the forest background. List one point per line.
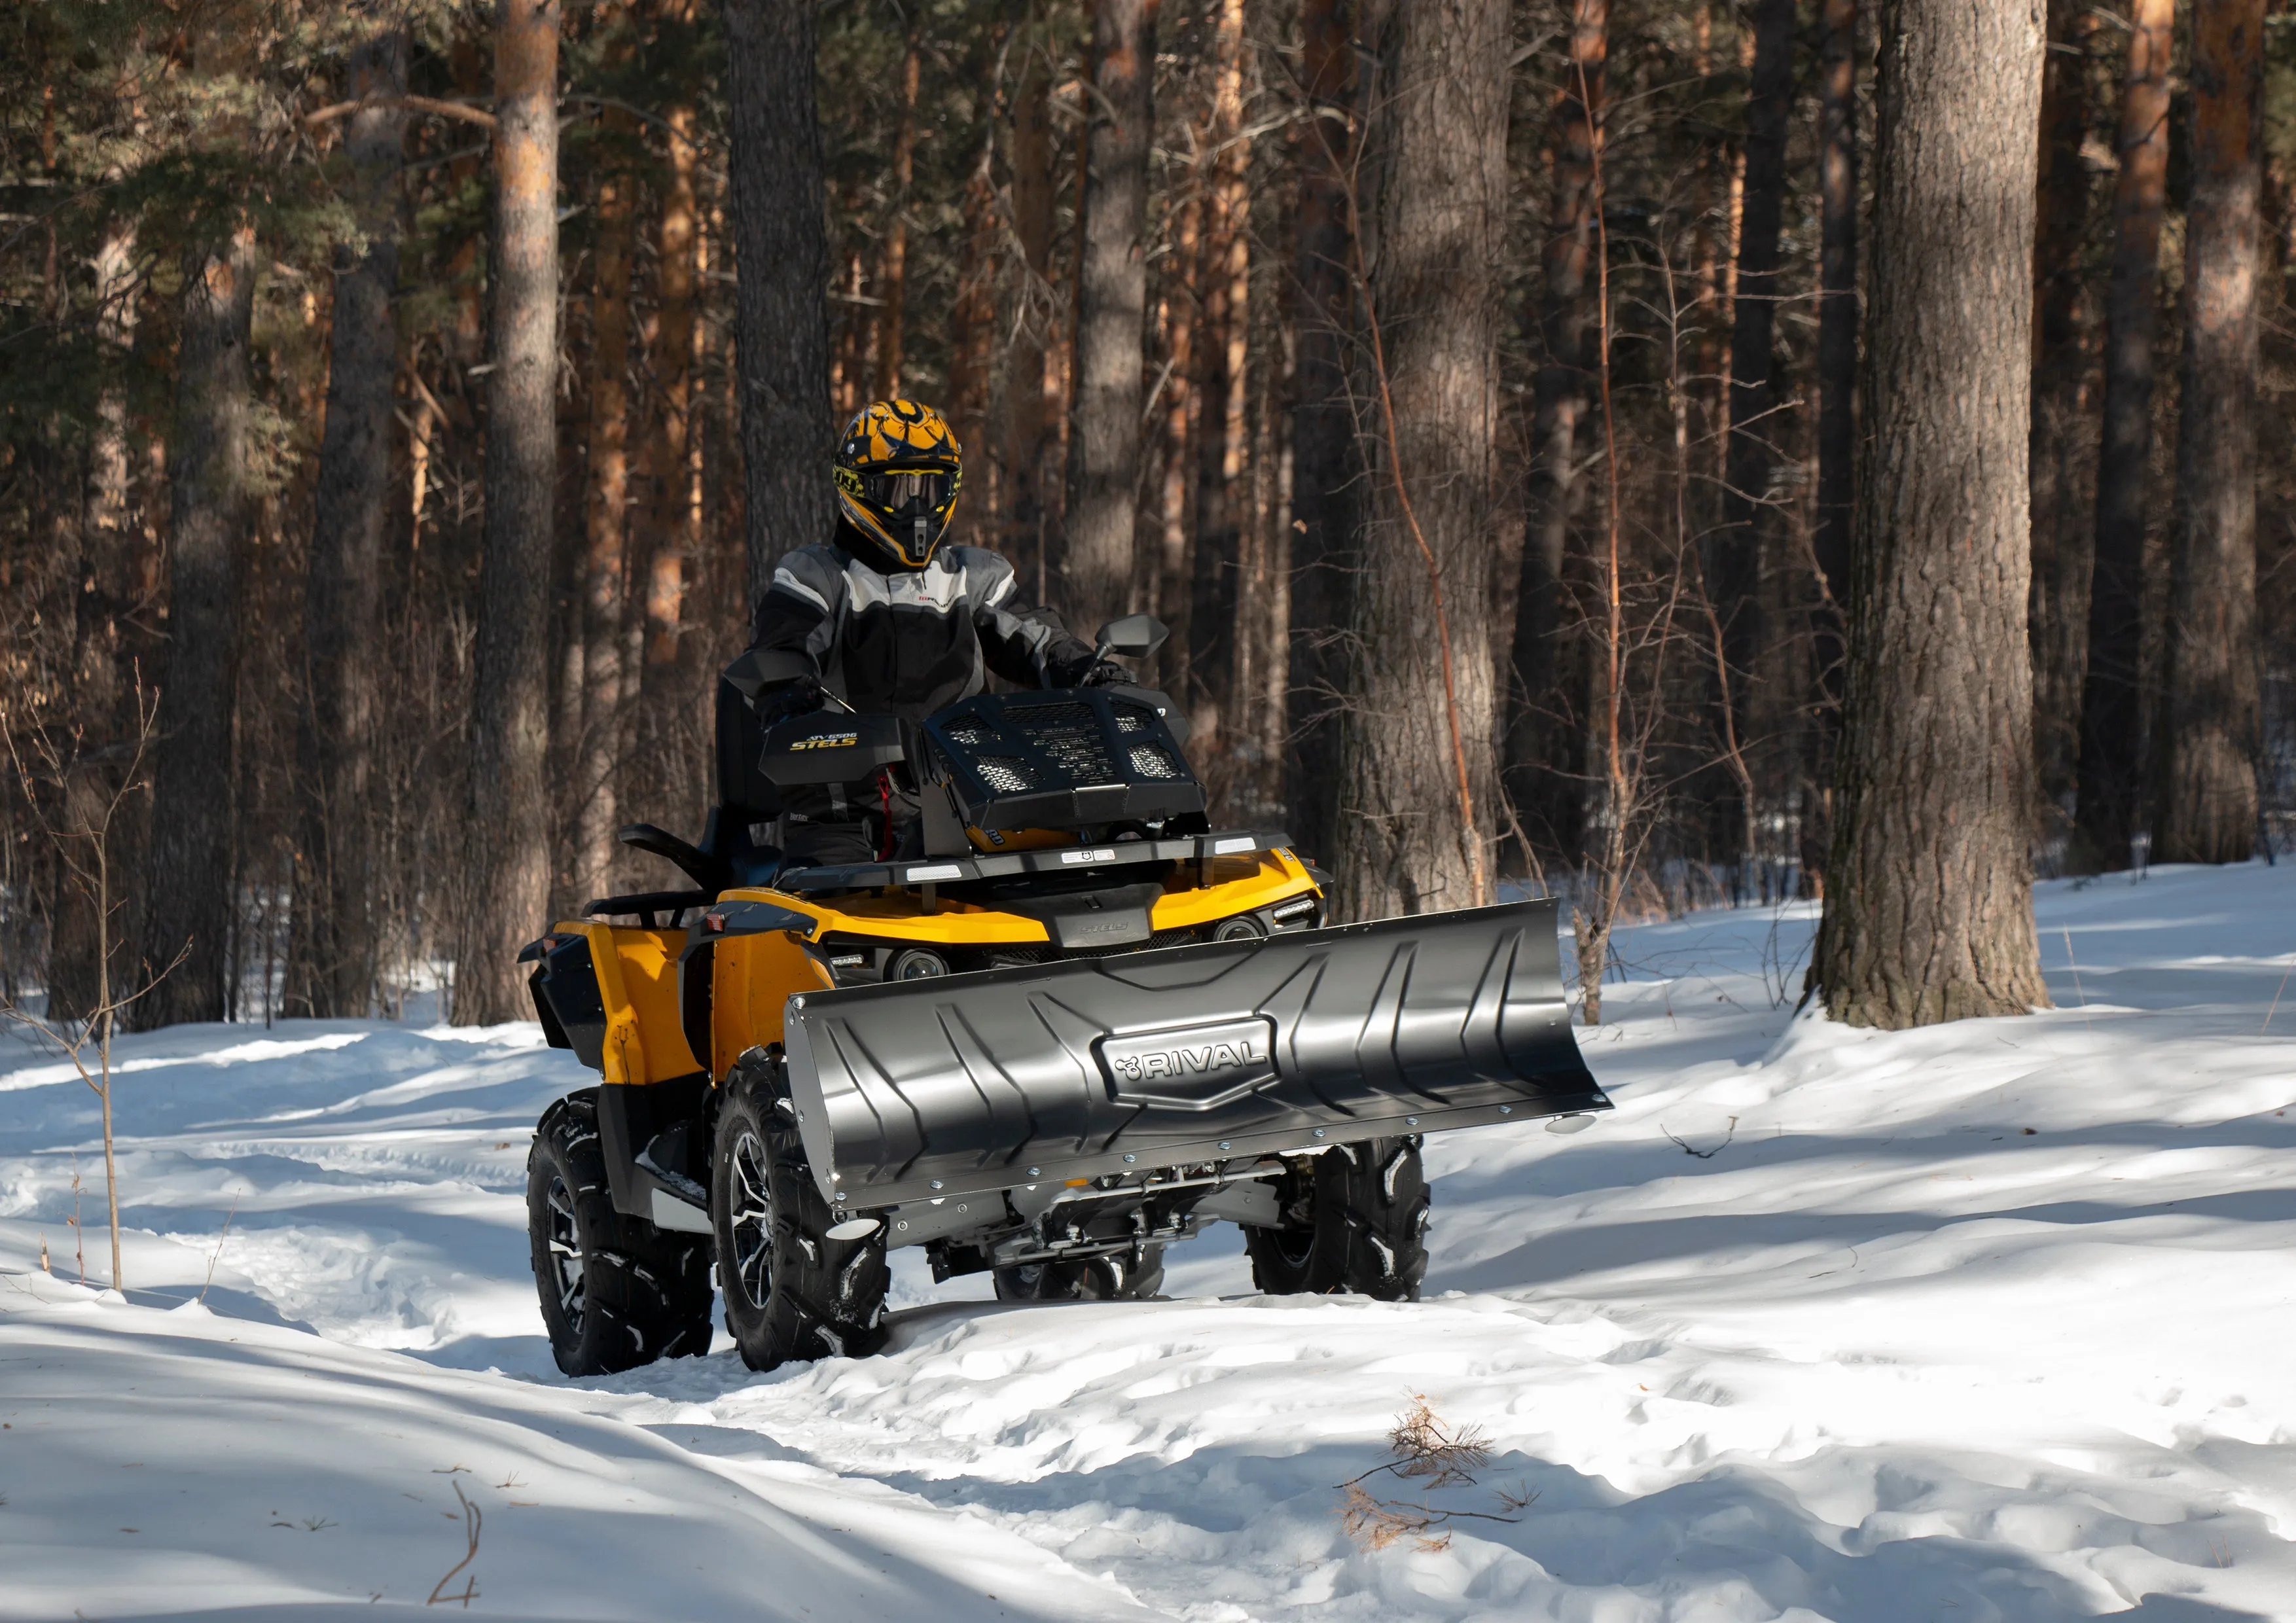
(389, 449)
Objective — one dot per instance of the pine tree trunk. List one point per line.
(1837, 329)
(1097, 561)
(1176, 556)
(1541, 761)
(1028, 424)
(673, 526)
(893, 284)
(605, 523)
(781, 252)
(2205, 802)
(1413, 838)
(1735, 554)
(2062, 361)
(1322, 433)
(510, 705)
(333, 950)
(2111, 765)
(188, 889)
(1224, 282)
(1929, 892)
(105, 649)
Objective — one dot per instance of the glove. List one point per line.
(801, 697)
(1105, 673)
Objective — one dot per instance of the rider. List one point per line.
(896, 623)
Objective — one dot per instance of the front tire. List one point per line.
(616, 1291)
(1355, 1222)
(790, 1292)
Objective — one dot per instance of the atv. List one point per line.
(1062, 1023)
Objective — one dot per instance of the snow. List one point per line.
(1987, 1320)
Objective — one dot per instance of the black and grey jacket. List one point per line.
(907, 643)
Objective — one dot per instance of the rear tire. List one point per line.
(1093, 1279)
(790, 1292)
(1354, 1221)
(616, 1291)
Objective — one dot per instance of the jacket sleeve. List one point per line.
(1020, 643)
(796, 614)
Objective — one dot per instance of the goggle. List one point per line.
(897, 489)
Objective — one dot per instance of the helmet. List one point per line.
(897, 473)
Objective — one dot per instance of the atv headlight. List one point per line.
(1238, 930)
(1294, 914)
(916, 964)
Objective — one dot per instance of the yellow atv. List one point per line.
(1067, 1024)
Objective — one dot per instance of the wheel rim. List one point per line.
(752, 1221)
(566, 1254)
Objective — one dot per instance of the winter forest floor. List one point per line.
(1987, 1321)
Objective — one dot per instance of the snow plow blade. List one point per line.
(1141, 1061)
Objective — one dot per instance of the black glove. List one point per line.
(1105, 673)
(801, 697)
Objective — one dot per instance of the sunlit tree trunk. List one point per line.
(674, 532)
(1028, 424)
(1097, 560)
(2205, 798)
(2112, 761)
(333, 950)
(1928, 894)
(510, 702)
(894, 282)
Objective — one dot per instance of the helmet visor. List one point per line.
(897, 489)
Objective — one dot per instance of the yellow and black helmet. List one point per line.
(898, 472)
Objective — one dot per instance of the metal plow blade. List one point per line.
(1151, 1059)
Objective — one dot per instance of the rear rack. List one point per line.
(1203, 849)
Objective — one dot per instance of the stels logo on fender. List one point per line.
(1191, 1068)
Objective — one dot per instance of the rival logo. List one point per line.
(1194, 1067)
(827, 741)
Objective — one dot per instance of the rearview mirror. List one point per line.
(1136, 636)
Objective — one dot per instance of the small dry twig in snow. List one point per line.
(1706, 1155)
(1423, 1452)
(469, 1589)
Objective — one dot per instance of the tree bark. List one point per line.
(893, 284)
(605, 520)
(2205, 799)
(2062, 360)
(781, 252)
(510, 708)
(1542, 778)
(1735, 553)
(674, 526)
(333, 950)
(1419, 681)
(1175, 559)
(1929, 892)
(1029, 427)
(105, 648)
(1323, 458)
(1837, 331)
(1097, 561)
(188, 888)
(1224, 286)
(2111, 763)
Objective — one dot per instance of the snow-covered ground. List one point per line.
(1988, 1321)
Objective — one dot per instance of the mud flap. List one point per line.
(1131, 1063)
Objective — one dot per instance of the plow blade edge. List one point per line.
(1146, 1060)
